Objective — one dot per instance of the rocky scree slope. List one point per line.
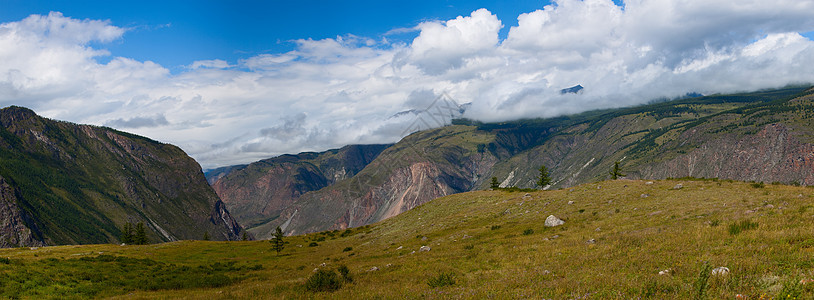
(63, 183)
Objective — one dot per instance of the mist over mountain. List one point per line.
(762, 136)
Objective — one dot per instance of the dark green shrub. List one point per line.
(758, 185)
(313, 244)
(528, 231)
(345, 273)
(323, 281)
(442, 280)
(347, 249)
(495, 227)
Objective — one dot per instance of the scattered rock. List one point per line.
(769, 206)
(720, 271)
(123, 244)
(749, 212)
(552, 221)
(546, 272)
(323, 264)
(424, 249)
(591, 241)
(315, 270)
(466, 237)
(654, 213)
(571, 190)
(598, 187)
(555, 236)
(399, 248)
(412, 252)
(678, 186)
(648, 183)
(299, 246)
(597, 229)
(610, 201)
(644, 196)
(423, 238)
(388, 265)
(373, 269)
(34, 248)
(570, 202)
(665, 272)
(800, 196)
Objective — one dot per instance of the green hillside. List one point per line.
(617, 237)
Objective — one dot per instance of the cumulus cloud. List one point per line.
(350, 89)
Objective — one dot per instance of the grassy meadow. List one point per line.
(617, 237)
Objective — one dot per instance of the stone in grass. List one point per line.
(424, 249)
(373, 269)
(665, 272)
(678, 186)
(720, 271)
(648, 183)
(552, 221)
(591, 241)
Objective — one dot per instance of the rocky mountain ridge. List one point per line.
(762, 136)
(63, 183)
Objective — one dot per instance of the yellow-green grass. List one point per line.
(483, 239)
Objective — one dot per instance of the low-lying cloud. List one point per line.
(332, 92)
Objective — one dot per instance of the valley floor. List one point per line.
(617, 237)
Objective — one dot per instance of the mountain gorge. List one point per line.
(760, 136)
(63, 183)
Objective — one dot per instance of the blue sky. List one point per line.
(176, 33)
(237, 81)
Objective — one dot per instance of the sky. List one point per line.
(233, 82)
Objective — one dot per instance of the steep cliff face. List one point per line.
(16, 228)
(78, 184)
(258, 192)
(421, 167)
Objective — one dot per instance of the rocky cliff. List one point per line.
(64, 183)
(258, 192)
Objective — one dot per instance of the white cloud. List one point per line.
(331, 92)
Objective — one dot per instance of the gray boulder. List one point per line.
(552, 221)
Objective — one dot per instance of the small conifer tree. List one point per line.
(245, 236)
(127, 233)
(494, 185)
(544, 179)
(616, 172)
(277, 242)
(206, 236)
(140, 237)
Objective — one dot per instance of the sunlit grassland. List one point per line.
(613, 244)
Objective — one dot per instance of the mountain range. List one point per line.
(763, 136)
(63, 183)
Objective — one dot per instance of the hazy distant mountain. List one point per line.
(63, 183)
